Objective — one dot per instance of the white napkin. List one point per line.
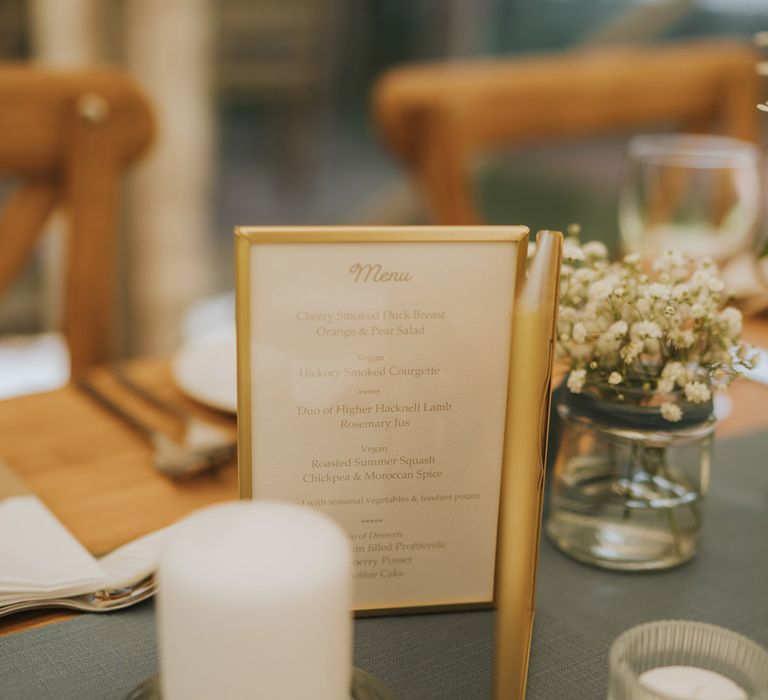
(37, 553)
(39, 557)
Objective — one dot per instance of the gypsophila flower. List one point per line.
(731, 318)
(715, 284)
(670, 261)
(572, 251)
(603, 288)
(644, 330)
(618, 328)
(697, 392)
(576, 380)
(579, 333)
(682, 339)
(631, 352)
(698, 310)
(595, 249)
(661, 331)
(673, 371)
(658, 291)
(671, 411)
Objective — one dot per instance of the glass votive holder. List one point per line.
(682, 660)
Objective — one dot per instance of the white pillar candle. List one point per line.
(691, 683)
(254, 602)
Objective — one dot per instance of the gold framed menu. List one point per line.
(374, 384)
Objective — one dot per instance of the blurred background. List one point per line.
(264, 116)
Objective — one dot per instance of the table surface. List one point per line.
(580, 610)
(96, 474)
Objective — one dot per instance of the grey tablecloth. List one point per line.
(446, 657)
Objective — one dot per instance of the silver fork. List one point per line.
(169, 457)
(99, 601)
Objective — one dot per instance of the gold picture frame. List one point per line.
(527, 405)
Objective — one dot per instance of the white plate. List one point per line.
(206, 370)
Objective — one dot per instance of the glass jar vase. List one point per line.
(628, 486)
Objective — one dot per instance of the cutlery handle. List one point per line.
(107, 403)
(148, 396)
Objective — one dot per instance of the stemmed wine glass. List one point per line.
(697, 194)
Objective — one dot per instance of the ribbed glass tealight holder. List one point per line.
(690, 645)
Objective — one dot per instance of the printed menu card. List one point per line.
(373, 385)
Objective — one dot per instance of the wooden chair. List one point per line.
(436, 118)
(67, 137)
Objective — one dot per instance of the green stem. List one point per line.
(663, 469)
(696, 514)
(675, 531)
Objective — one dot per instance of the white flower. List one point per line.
(673, 370)
(665, 386)
(671, 412)
(731, 318)
(576, 380)
(669, 260)
(643, 306)
(602, 288)
(607, 343)
(707, 278)
(630, 351)
(698, 311)
(715, 284)
(595, 249)
(682, 339)
(645, 330)
(618, 328)
(615, 378)
(584, 274)
(579, 332)
(680, 291)
(572, 251)
(658, 291)
(632, 259)
(697, 392)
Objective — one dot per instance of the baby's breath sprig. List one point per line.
(658, 334)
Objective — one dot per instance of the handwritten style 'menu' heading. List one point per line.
(375, 273)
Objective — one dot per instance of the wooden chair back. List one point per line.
(66, 137)
(436, 118)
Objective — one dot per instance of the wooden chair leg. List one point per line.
(23, 218)
(92, 194)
